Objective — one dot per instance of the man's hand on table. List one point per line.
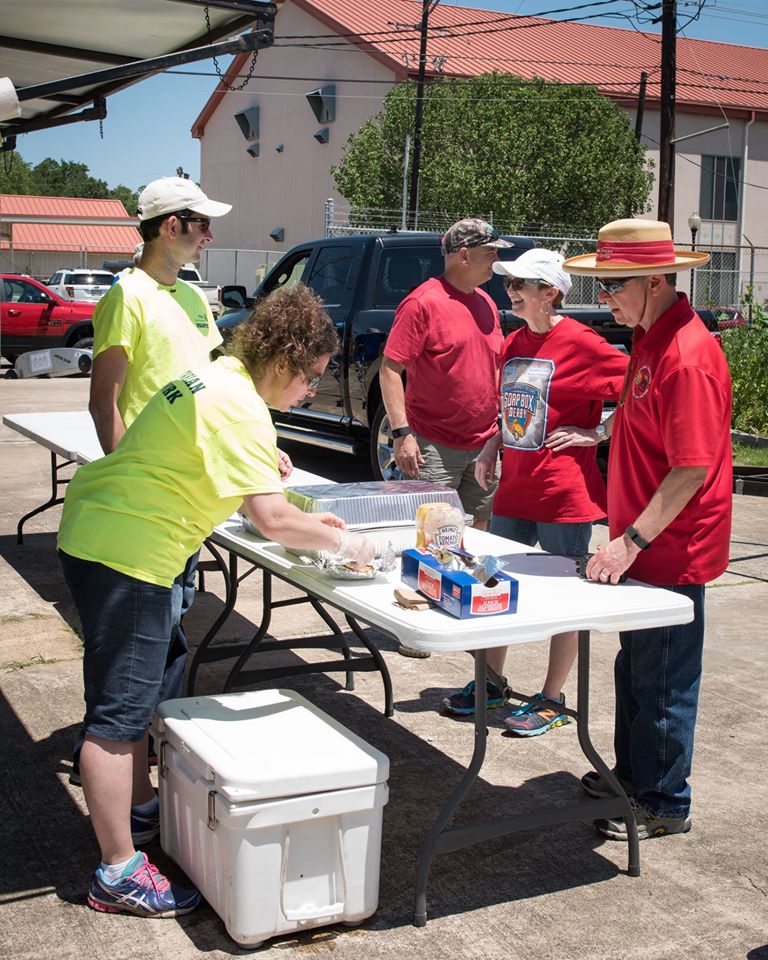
(612, 560)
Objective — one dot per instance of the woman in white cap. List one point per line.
(554, 372)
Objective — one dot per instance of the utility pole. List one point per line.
(666, 199)
(426, 8)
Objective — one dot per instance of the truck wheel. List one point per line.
(382, 454)
(83, 343)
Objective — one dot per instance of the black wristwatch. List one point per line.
(401, 432)
(635, 537)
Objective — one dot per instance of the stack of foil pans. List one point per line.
(385, 510)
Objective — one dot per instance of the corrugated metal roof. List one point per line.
(464, 41)
(92, 238)
(12, 205)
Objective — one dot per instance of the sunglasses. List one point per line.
(615, 285)
(517, 283)
(205, 222)
(313, 382)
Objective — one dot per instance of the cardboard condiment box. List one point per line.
(456, 591)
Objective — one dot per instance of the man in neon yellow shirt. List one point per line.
(202, 447)
(148, 329)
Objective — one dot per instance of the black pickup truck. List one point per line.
(362, 279)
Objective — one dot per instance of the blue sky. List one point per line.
(147, 131)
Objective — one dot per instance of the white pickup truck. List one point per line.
(188, 272)
(212, 291)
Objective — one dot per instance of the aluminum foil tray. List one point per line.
(372, 503)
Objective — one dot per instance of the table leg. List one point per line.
(589, 751)
(432, 843)
(53, 501)
(359, 632)
(231, 584)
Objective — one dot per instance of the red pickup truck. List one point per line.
(33, 317)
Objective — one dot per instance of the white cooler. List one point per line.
(272, 808)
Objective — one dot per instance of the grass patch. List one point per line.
(750, 456)
(35, 661)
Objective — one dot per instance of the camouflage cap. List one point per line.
(472, 232)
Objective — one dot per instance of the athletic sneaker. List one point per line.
(144, 827)
(531, 720)
(463, 702)
(648, 824)
(593, 784)
(144, 891)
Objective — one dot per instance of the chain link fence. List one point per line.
(730, 273)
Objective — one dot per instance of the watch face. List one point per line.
(600, 429)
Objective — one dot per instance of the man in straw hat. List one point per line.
(669, 511)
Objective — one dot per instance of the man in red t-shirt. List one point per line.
(669, 511)
(447, 339)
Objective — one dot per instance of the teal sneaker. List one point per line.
(533, 719)
(463, 702)
(144, 892)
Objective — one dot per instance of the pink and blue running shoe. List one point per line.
(144, 891)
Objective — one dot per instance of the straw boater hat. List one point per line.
(636, 248)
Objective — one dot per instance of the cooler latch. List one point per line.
(212, 810)
(162, 767)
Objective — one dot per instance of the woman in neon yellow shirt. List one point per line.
(203, 447)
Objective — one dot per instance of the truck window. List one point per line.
(330, 274)
(401, 271)
(290, 273)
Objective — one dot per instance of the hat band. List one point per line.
(644, 253)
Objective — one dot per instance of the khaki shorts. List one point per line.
(456, 468)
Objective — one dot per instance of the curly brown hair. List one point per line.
(290, 325)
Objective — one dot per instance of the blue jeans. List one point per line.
(568, 539)
(657, 676)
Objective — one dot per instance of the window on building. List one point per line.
(719, 198)
(717, 282)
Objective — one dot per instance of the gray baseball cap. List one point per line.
(472, 232)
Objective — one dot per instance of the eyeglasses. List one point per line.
(517, 283)
(614, 285)
(205, 222)
(313, 382)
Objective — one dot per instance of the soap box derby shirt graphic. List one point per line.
(525, 386)
(548, 380)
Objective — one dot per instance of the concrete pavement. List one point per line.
(561, 892)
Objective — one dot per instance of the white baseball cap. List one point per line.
(537, 264)
(172, 194)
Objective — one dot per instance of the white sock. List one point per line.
(113, 871)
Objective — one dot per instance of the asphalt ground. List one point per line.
(559, 892)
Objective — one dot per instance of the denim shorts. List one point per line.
(127, 628)
(566, 539)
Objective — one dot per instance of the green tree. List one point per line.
(66, 178)
(15, 174)
(534, 153)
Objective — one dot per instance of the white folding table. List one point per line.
(71, 439)
(552, 599)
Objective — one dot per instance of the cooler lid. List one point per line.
(267, 743)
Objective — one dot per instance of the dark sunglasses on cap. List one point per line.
(614, 285)
(517, 283)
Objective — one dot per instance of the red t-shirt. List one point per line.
(549, 380)
(676, 413)
(449, 342)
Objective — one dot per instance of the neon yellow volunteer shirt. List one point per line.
(200, 445)
(163, 330)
